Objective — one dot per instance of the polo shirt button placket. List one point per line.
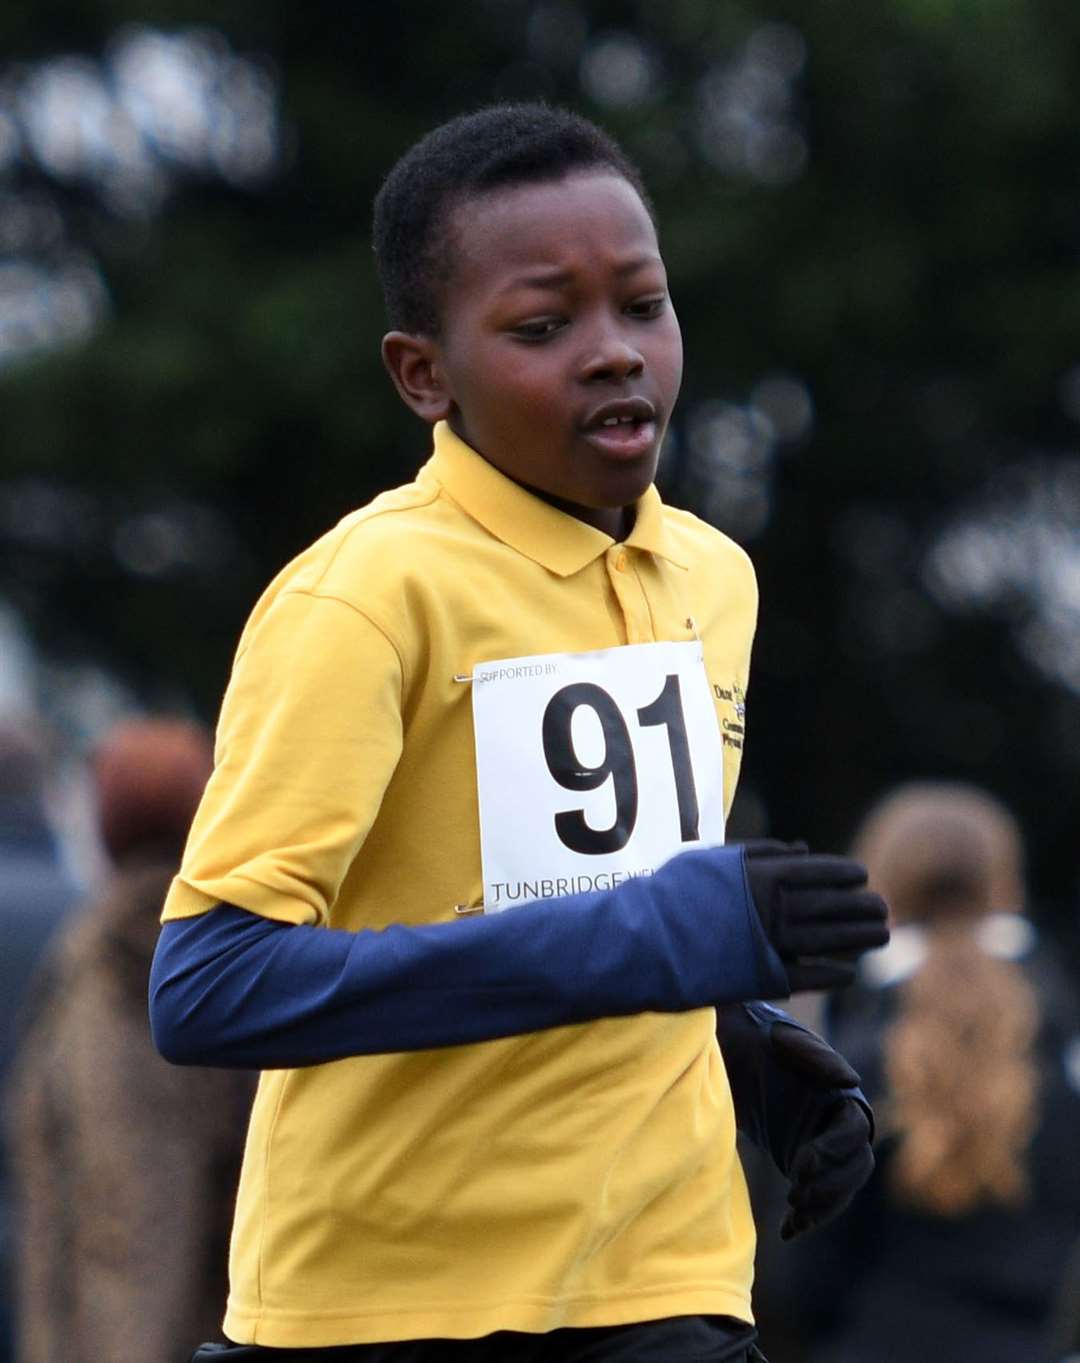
(629, 595)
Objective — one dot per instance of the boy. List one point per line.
(486, 688)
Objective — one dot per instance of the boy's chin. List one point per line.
(607, 505)
(626, 484)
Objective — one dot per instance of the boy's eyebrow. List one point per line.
(554, 276)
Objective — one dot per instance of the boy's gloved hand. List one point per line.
(816, 911)
(827, 1170)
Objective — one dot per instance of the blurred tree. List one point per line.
(872, 222)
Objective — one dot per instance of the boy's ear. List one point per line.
(413, 363)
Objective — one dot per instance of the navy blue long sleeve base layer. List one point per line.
(231, 988)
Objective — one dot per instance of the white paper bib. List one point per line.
(593, 768)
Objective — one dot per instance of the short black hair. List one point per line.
(496, 147)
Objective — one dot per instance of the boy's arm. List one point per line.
(799, 1100)
(231, 988)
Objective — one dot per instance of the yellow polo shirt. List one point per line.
(581, 1176)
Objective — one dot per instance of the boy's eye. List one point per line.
(538, 328)
(648, 307)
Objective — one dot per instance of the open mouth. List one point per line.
(626, 427)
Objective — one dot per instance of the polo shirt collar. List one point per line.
(557, 541)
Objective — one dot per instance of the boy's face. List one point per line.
(560, 352)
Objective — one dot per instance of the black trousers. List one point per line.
(679, 1339)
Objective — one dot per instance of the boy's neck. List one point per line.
(616, 521)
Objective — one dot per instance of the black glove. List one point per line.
(816, 911)
(829, 1169)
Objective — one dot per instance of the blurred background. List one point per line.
(871, 219)
(871, 216)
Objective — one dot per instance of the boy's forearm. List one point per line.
(234, 989)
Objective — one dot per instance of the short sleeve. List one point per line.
(309, 737)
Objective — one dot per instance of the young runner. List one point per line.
(516, 683)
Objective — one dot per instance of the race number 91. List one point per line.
(617, 764)
(593, 767)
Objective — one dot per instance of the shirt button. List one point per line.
(620, 563)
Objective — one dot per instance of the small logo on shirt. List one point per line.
(732, 730)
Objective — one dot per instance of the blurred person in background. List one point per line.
(36, 893)
(123, 1167)
(965, 1032)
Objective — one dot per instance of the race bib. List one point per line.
(593, 768)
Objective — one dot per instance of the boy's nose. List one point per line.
(613, 358)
